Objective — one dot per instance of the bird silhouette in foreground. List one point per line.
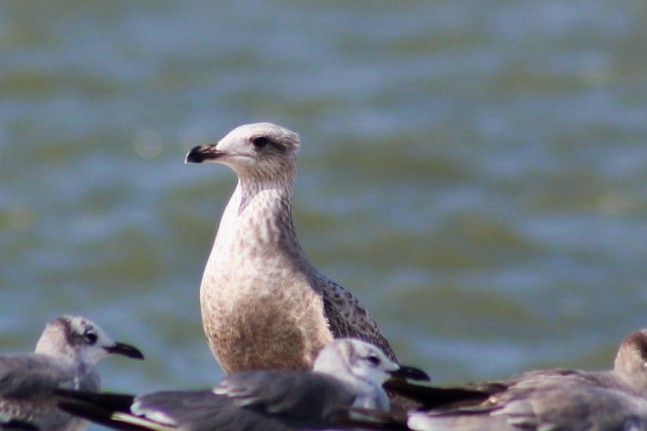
(347, 374)
(264, 305)
(543, 400)
(64, 358)
(8, 424)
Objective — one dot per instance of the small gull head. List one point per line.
(631, 360)
(263, 149)
(364, 367)
(81, 340)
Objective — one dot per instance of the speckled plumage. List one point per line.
(264, 305)
(64, 358)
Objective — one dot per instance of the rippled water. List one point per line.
(475, 172)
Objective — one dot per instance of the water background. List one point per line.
(476, 172)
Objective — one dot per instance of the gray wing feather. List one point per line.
(549, 405)
(293, 395)
(251, 401)
(577, 409)
(30, 374)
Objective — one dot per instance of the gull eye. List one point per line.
(373, 360)
(260, 141)
(90, 337)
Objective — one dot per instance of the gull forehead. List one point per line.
(78, 323)
(269, 130)
(75, 327)
(353, 352)
(353, 347)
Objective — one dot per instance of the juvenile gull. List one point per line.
(64, 358)
(264, 305)
(347, 374)
(547, 400)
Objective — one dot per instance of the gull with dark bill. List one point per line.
(64, 358)
(264, 305)
(542, 400)
(348, 374)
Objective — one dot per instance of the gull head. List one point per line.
(363, 367)
(631, 360)
(262, 150)
(80, 340)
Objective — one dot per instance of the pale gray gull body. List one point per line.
(546, 400)
(264, 305)
(64, 358)
(348, 374)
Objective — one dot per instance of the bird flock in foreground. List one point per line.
(299, 351)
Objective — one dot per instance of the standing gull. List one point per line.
(348, 374)
(264, 305)
(546, 400)
(64, 358)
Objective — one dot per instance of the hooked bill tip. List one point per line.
(200, 153)
(125, 350)
(412, 373)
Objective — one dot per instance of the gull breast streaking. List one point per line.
(64, 358)
(264, 305)
(348, 374)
